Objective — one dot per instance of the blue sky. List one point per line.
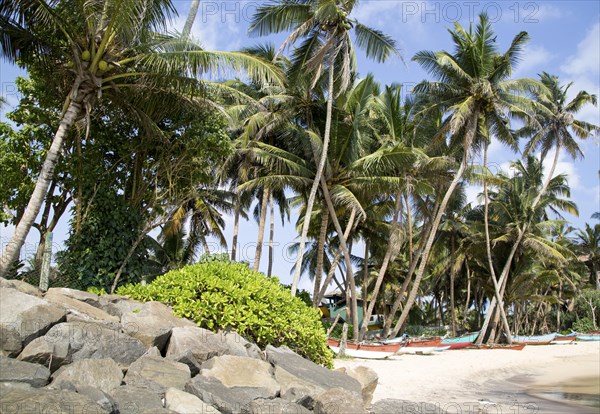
(565, 41)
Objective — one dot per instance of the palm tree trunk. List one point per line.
(189, 22)
(346, 251)
(390, 251)
(271, 235)
(320, 255)
(336, 259)
(11, 253)
(261, 228)
(452, 280)
(436, 223)
(488, 247)
(365, 281)
(319, 173)
(236, 226)
(468, 293)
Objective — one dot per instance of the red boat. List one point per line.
(513, 347)
(425, 342)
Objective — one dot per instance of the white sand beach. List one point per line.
(503, 381)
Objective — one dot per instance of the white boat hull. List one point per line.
(421, 350)
(359, 353)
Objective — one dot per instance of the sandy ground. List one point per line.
(491, 381)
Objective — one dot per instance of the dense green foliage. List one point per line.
(219, 295)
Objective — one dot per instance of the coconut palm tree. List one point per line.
(325, 26)
(587, 244)
(553, 126)
(112, 51)
(473, 86)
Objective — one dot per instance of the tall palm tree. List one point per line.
(474, 88)
(587, 244)
(114, 49)
(553, 127)
(325, 26)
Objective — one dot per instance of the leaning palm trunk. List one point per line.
(521, 233)
(349, 272)
(317, 180)
(11, 253)
(320, 256)
(488, 246)
(436, 223)
(236, 225)
(261, 228)
(336, 259)
(189, 22)
(390, 251)
(271, 234)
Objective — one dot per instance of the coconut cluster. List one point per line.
(340, 22)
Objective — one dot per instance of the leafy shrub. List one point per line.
(584, 325)
(231, 296)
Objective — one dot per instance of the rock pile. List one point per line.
(75, 352)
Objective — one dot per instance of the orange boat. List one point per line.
(365, 350)
(424, 342)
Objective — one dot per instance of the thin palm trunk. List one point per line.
(468, 292)
(488, 247)
(11, 253)
(436, 223)
(271, 235)
(365, 280)
(452, 281)
(319, 173)
(346, 251)
(236, 226)
(320, 256)
(261, 228)
(390, 251)
(189, 22)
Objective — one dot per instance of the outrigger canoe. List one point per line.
(423, 342)
(593, 337)
(564, 339)
(460, 342)
(534, 339)
(365, 351)
(422, 350)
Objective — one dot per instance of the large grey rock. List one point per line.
(337, 401)
(81, 310)
(184, 402)
(226, 400)
(87, 297)
(134, 400)
(47, 353)
(203, 343)
(30, 316)
(188, 359)
(10, 341)
(103, 374)
(89, 340)
(274, 406)
(152, 324)
(367, 378)
(21, 286)
(239, 346)
(99, 397)
(235, 371)
(39, 400)
(117, 305)
(303, 379)
(12, 370)
(390, 405)
(164, 372)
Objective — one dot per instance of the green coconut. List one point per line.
(86, 55)
(102, 65)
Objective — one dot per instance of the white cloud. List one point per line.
(543, 12)
(533, 60)
(587, 58)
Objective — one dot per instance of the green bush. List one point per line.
(584, 325)
(231, 296)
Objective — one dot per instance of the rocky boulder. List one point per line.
(28, 316)
(239, 346)
(390, 405)
(87, 297)
(151, 323)
(135, 400)
(96, 341)
(21, 286)
(367, 378)
(183, 402)
(39, 400)
(163, 372)
(188, 359)
(47, 353)
(78, 309)
(13, 371)
(234, 371)
(103, 374)
(10, 340)
(274, 406)
(338, 400)
(203, 343)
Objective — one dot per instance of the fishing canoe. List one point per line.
(564, 339)
(422, 350)
(595, 337)
(460, 342)
(423, 342)
(365, 351)
(534, 339)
